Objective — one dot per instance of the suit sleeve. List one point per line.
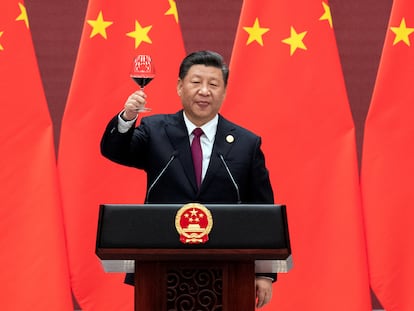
(260, 188)
(116, 146)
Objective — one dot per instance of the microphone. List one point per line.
(231, 177)
(173, 156)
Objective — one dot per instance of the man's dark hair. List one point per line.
(207, 58)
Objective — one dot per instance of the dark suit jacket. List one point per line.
(152, 144)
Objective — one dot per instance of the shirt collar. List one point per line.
(209, 129)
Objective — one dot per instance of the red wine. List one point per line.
(142, 81)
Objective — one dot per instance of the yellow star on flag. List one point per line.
(327, 16)
(23, 15)
(402, 33)
(140, 34)
(99, 26)
(173, 10)
(1, 47)
(256, 32)
(295, 40)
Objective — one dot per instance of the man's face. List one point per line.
(202, 92)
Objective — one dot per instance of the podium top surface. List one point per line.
(154, 227)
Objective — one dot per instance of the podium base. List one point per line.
(166, 286)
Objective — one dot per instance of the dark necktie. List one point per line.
(197, 154)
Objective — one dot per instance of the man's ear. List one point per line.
(179, 86)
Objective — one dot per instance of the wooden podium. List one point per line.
(172, 274)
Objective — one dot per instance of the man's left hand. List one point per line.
(263, 291)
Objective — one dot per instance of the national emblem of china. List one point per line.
(193, 222)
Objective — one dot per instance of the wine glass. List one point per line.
(142, 72)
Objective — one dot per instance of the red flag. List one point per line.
(286, 85)
(34, 272)
(114, 33)
(388, 166)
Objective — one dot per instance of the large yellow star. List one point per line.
(23, 15)
(402, 33)
(99, 25)
(1, 47)
(327, 16)
(255, 33)
(295, 40)
(173, 10)
(140, 34)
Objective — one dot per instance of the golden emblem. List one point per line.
(193, 222)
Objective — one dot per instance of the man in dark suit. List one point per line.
(233, 165)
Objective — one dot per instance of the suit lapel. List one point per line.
(177, 133)
(225, 138)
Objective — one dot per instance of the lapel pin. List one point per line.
(230, 138)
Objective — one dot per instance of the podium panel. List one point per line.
(175, 271)
(162, 286)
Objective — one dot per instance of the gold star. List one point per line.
(173, 10)
(99, 26)
(295, 40)
(23, 15)
(402, 33)
(255, 32)
(140, 34)
(1, 47)
(327, 14)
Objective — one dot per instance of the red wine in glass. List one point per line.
(142, 72)
(142, 81)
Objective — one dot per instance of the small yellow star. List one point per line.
(140, 34)
(23, 15)
(1, 47)
(255, 33)
(327, 16)
(99, 26)
(402, 33)
(173, 10)
(295, 40)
